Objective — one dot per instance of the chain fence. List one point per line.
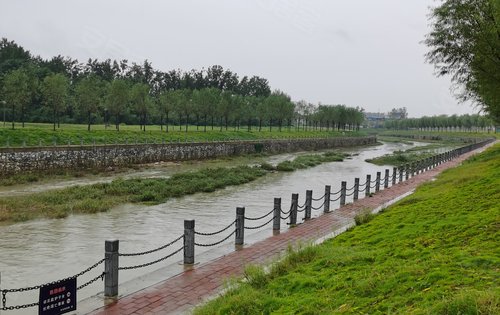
(37, 287)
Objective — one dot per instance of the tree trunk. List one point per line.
(13, 116)
(260, 124)
(187, 122)
(205, 124)
(166, 122)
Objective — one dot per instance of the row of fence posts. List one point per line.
(112, 253)
(409, 169)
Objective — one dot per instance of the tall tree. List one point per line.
(18, 91)
(139, 96)
(117, 100)
(55, 93)
(465, 43)
(89, 93)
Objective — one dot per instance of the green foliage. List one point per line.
(139, 94)
(34, 134)
(55, 92)
(364, 217)
(470, 123)
(435, 252)
(101, 197)
(305, 161)
(464, 43)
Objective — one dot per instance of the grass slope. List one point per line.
(435, 252)
(36, 134)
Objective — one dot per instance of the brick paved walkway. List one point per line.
(181, 293)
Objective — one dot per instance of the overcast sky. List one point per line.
(360, 53)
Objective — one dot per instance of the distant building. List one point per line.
(375, 120)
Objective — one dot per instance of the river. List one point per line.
(41, 251)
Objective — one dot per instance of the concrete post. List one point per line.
(407, 175)
(111, 268)
(377, 183)
(386, 178)
(356, 189)
(368, 183)
(394, 171)
(309, 195)
(188, 242)
(277, 214)
(240, 226)
(293, 210)
(401, 169)
(343, 192)
(326, 206)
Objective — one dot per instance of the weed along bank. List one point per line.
(292, 211)
(16, 160)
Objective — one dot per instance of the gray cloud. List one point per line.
(360, 53)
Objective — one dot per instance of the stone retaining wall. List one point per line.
(15, 160)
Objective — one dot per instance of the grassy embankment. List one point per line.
(101, 197)
(36, 134)
(434, 252)
(398, 158)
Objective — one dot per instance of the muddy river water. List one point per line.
(41, 251)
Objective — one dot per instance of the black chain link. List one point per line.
(319, 207)
(349, 189)
(285, 218)
(318, 199)
(153, 250)
(287, 212)
(350, 194)
(55, 282)
(216, 243)
(258, 227)
(151, 263)
(215, 233)
(17, 307)
(338, 192)
(259, 218)
(101, 276)
(361, 190)
(335, 199)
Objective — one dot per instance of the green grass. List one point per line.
(434, 252)
(306, 161)
(398, 158)
(103, 196)
(42, 134)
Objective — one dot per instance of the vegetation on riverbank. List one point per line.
(398, 158)
(73, 134)
(306, 161)
(434, 252)
(103, 196)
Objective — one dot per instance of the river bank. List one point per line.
(25, 160)
(418, 263)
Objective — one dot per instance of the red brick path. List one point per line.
(181, 293)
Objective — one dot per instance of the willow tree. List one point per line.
(465, 43)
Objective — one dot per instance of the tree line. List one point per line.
(466, 123)
(63, 90)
